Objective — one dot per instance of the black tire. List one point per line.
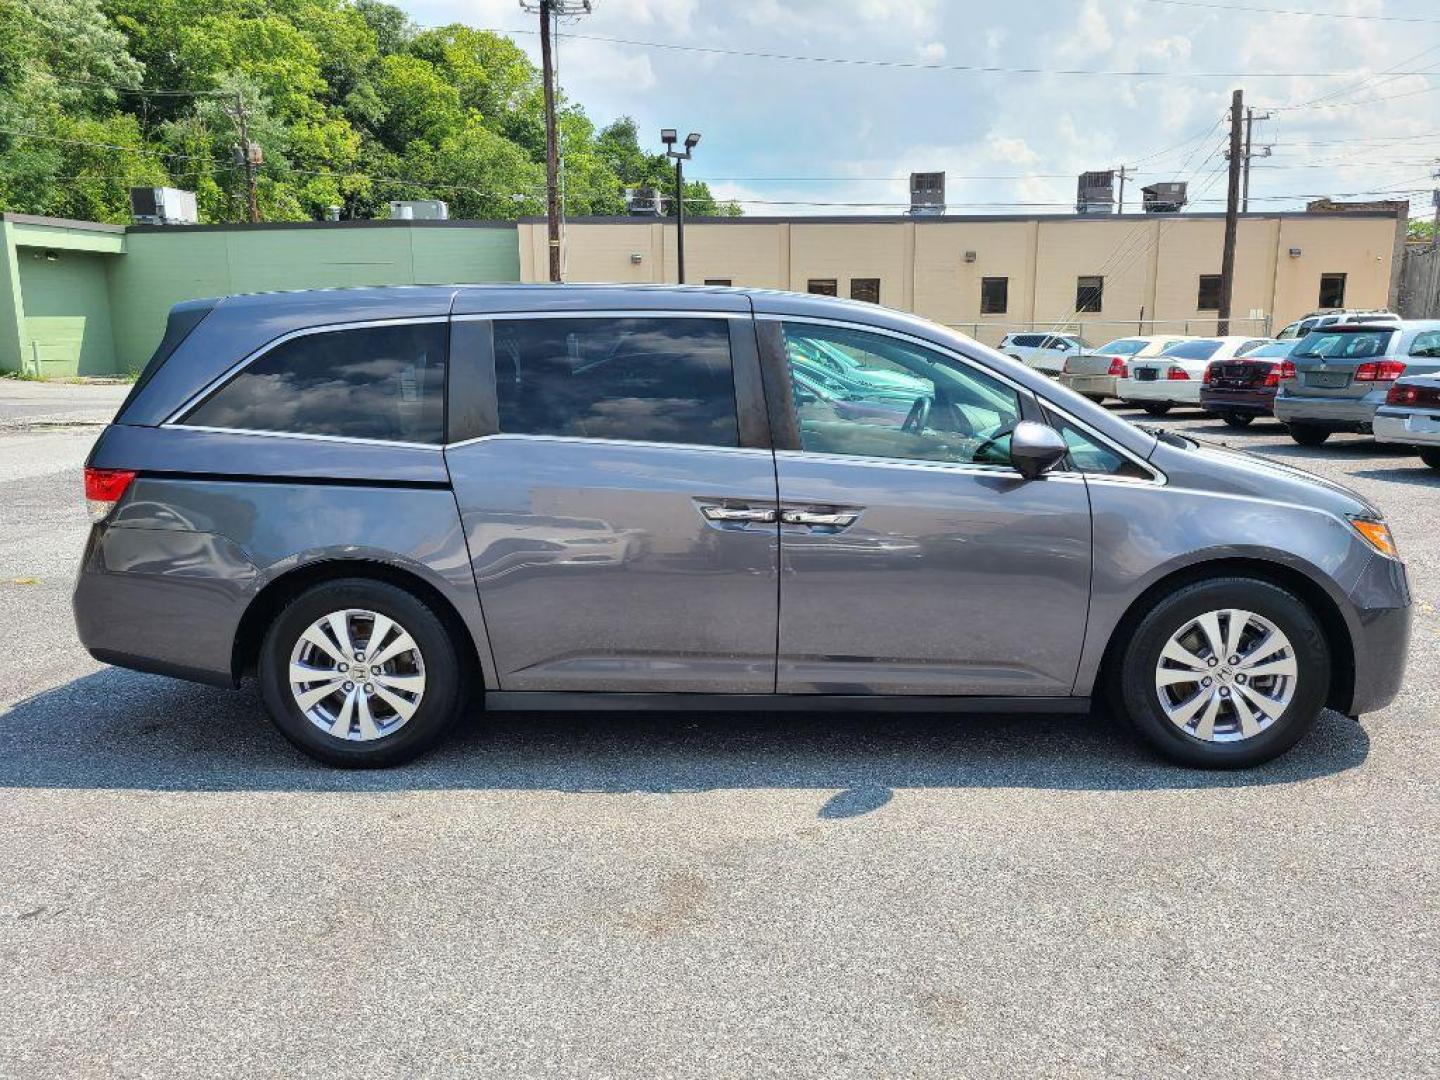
(1135, 695)
(1309, 434)
(1430, 455)
(446, 673)
(1156, 408)
(1238, 419)
(1098, 399)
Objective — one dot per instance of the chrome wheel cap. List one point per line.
(1226, 676)
(357, 675)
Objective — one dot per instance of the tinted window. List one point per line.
(1250, 346)
(1274, 348)
(1194, 350)
(379, 382)
(1090, 455)
(891, 399)
(649, 379)
(1122, 347)
(1209, 293)
(1341, 345)
(1426, 343)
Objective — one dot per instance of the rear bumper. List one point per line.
(1254, 402)
(1096, 386)
(1399, 426)
(1354, 414)
(1170, 391)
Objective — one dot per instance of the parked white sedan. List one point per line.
(1175, 376)
(1043, 352)
(1094, 373)
(1411, 415)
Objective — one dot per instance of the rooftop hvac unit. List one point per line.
(1095, 194)
(1165, 198)
(644, 202)
(163, 206)
(419, 210)
(927, 193)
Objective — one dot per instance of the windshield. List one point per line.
(1275, 348)
(1329, 344)
(1122, 346)
(1193, 350)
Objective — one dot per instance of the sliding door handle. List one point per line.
(838, 519)
(738, 514)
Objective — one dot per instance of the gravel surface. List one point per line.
(181, 894)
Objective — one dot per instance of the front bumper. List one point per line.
(1254, 402)
(1096, 386)
(1402, 426)
(1341, 413)
(1380, 632)
(1167, 391)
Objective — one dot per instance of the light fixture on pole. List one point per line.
(669, 136)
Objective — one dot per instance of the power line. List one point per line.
(917, 65)
(1292, 11)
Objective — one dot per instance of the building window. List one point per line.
(1332, 290)
(1209, 298)
(865, 288)
(1089, 293)
(994, 295)
(719, 281)
(823, 287)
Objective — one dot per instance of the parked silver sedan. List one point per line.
(1093, 374)
(1411, 415)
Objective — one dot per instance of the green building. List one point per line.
(81, 298)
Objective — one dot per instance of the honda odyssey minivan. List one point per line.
(388, 505)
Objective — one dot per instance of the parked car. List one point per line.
(391, 504)
(1318, 319)
(1174, 377)
(1240, 389)
(1337, 376)
(1093, 374)
(1043, 352)
(1411, 415)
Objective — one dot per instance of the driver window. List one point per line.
(875, 396)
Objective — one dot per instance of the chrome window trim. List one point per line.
(1158, 477)
(436, 447)
(1007, 472)
(214, 385)
(589, 440)
(601, 313)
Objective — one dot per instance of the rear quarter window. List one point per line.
(375, 382)
(1426, 343)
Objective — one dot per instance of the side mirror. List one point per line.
(1035, 448)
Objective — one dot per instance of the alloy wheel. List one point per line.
(1226, 675)
(357, 675)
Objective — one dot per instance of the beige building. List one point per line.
(1099, 275)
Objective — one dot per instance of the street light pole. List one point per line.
(668, 136)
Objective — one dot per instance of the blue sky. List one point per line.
(857, 131)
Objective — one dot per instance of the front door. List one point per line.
(914, 559)
(622, 519)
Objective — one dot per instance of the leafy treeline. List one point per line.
(352, 104)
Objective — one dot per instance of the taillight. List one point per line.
(1178, 374)
(1424, 396)
(1209, 373)
(1379, 371)
(1274, 375)
(103, 489)
(1118, 368)
(1287, 369)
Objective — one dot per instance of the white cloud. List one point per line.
(932, 52)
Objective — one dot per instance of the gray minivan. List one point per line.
(390, 503)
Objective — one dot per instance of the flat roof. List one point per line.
(60, 223)
(928, 219)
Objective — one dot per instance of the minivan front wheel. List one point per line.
(1225, 674)
(360, 674)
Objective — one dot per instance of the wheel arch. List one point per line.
(269, 601)
(1305, 588)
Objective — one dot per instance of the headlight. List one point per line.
(1377, 535)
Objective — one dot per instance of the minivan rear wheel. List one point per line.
(1225, 674)
(360, 674)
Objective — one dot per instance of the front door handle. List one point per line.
(839, 519)
(741, 514)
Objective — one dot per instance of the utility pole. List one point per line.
(1250, 119)
(1122, 189)
(668, 136)
(551, 11)
(1232, 213)
(248, 156)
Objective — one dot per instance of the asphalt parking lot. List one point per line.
(182, 894)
